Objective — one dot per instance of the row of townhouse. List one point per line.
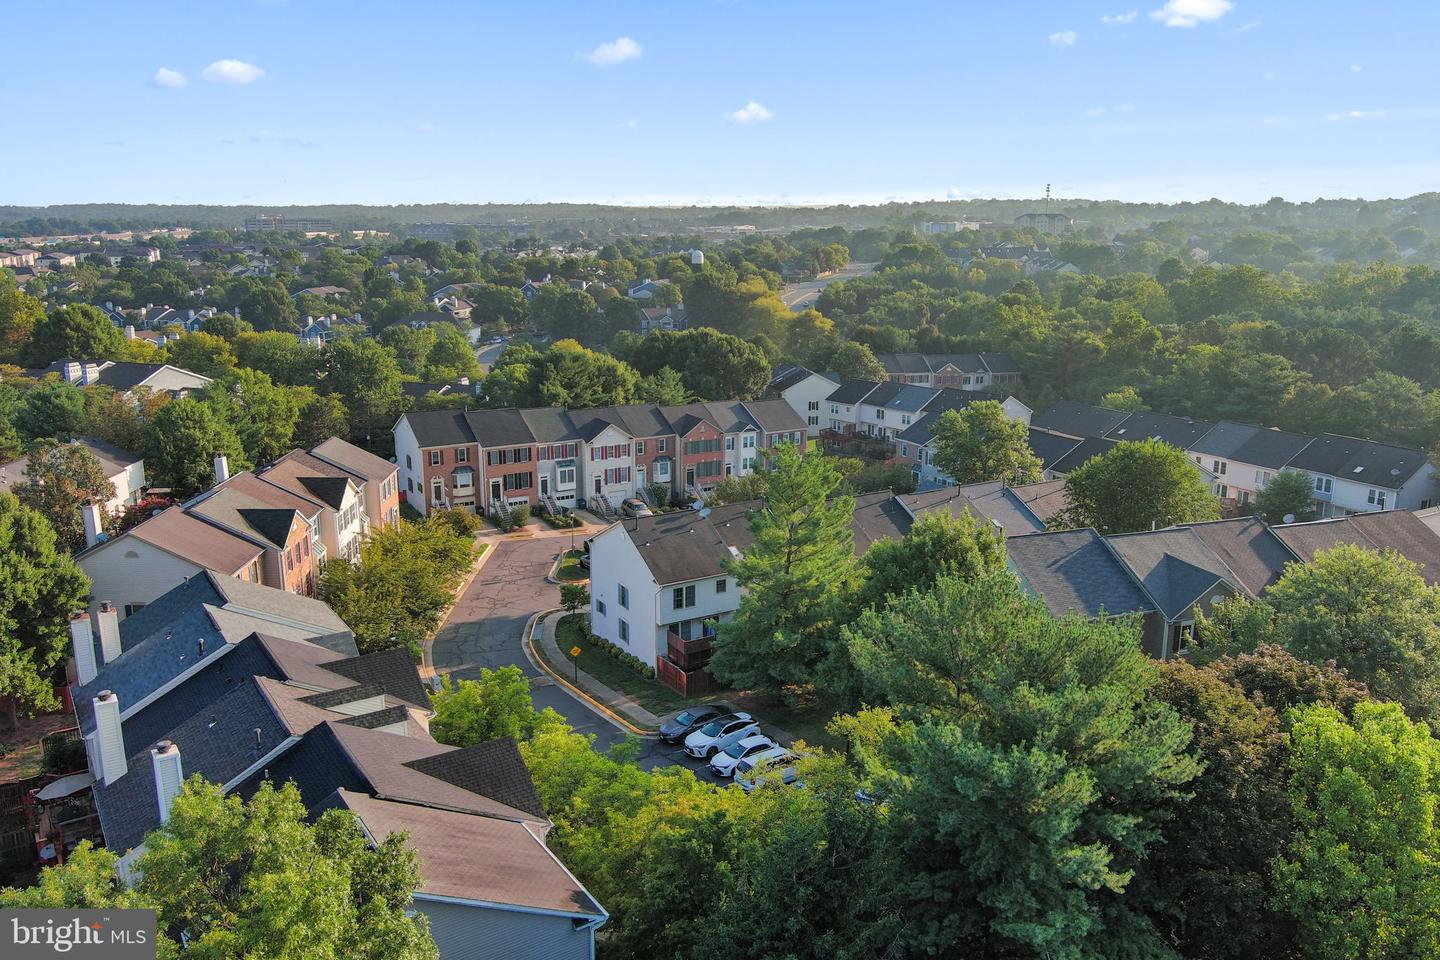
(809, 392)
(274, 526)
(1350, 474)
(1169, 578)
(242, 684)
(486, 460)
(124, 470)
(658, 585)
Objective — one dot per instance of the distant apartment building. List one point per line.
(960, 371)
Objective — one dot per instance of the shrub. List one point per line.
(628, 659)
(520, 514)
(462, 523)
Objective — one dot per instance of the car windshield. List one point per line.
(685, 719)
(713, 728)
(736, 749)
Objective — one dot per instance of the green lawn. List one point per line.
(650, 694)
(570, 568)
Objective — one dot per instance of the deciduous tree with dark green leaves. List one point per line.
(798, 576)
(76, 332)
(59, 479)
(19, 315)
(366, 377)
(1374, 615)
(1288, 497)
(981, 443)
(40, 586)
(1028, 771)
(938, 545)
(1138, 485)
(263, 414)
(1360, 878)
(54, 410)
(181, 443)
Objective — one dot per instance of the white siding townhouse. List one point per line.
(962, 371)
(125, 470)
(1351, 474)
(806, 391)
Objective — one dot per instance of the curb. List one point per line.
(539, 662)
(554, 575)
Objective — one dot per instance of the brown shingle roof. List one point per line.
(193, 539)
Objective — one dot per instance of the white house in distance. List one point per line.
(806, 392)
(125, 377)
(125, 470)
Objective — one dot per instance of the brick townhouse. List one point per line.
(483, 460)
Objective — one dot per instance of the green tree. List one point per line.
(574, 596)
(404, 582)
(496, 705)
(78, 332)
(981, 443)
(1211, 878)
(798, 575)
(451, 357)
(663, 387)
(280, 355)
(570, 376)
(938, 545)
(1026, 771)
(1290, 493)
(322, 416)
(255, 879)
(267, 306)
(39, 588)
(712, 365)
(20, 313)
(204, 353)
(1373, 614)
(181, 443)
(225, 325)
(1360, 876)
(263, 414)
(59, 479)
(564, 313)
(367, 378)
(53, 410)
(1138, 485)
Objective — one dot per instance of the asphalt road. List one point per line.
(799, 296)
(485, 626)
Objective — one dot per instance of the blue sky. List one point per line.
(716, 101)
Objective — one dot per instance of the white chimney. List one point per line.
(109, 738)
(222, 468)
(129, 331)
(165, 760)
(91, 373)
(84, 645)
(90, 513)
(109, 631)
(73, 371)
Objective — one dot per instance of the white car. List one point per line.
(703, 743)
(723, 764)
(752, 772)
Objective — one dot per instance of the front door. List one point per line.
(597, 486)
(495, 494)
(689, 477)
(544, 484)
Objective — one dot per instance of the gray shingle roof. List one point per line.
(852, 391)
(1362, 461)
(1079, 419)
(1397, 530)
(1272, 449)
(1176, 567)
(391, 670)
(1182, 432)
(491, 769)
(1072, 571)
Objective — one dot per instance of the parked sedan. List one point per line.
(686, 722)
(635, 507)
(723, 764)
(704, 743)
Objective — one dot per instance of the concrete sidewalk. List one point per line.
(586, 686)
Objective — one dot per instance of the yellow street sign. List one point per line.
(574, 651)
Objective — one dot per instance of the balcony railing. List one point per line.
(690, 654)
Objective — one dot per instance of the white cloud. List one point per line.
(1271, 74)
(1189, 13)
(424, 126)
(170, 79)
(1251, 25)
(1356, 68)
(284, 139)
(752, 112)
(630, 124)
(615, 51)
(1354, 115)
(232, 71)
(1095, 112)
(1064, 38)
(1116, 19)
